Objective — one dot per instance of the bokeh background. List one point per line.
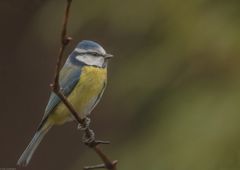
(173, 97)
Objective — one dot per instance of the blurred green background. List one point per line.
(172, 101)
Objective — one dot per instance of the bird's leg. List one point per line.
(88, 136)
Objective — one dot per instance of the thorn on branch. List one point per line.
(55, 87)
(66, 40)
(111, 166)
(94, 167)
(96, 142)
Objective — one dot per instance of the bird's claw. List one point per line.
(89, 137)
(85, 125)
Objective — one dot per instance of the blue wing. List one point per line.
(68, 78)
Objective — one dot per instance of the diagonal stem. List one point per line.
(57, 90)
(108, 164)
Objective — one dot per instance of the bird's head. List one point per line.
(90, 53)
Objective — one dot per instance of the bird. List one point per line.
(82, 80)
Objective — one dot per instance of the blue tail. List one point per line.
(28, 153)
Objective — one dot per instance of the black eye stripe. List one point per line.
(90, 53)
(95, 54)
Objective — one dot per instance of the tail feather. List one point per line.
(28, 153)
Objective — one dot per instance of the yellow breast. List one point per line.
(83, 96)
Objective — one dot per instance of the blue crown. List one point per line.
(87, 44)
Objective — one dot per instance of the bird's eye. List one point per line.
(95, 54)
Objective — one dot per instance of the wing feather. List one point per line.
(68, 78)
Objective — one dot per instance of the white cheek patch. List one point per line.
(91, 60)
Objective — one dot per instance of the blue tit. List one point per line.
(83, 80)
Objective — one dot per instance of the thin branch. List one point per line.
(64, 42)
(107, 163)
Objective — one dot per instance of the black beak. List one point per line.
(108, 56)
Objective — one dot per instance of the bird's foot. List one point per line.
(88, 137)
(85, 124)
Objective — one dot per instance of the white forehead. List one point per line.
(98, 50)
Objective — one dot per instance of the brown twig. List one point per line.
(110, 165)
